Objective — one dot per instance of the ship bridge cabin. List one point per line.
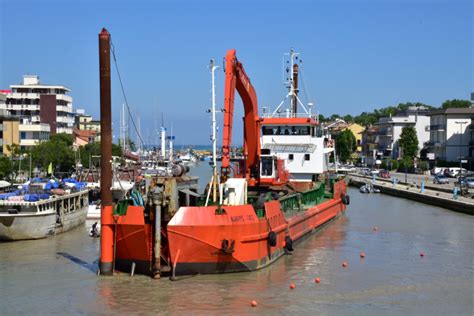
(298, 142)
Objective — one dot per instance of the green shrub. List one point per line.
(423, 165)
(394, 164)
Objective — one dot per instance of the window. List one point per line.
(290, 157)
(22, 135)
(286, 130)
(306, 156)
(266, 166)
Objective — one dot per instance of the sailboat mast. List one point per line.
(163, 138)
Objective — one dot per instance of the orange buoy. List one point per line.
(253, 303)
(317, 280)
(292, 286)
(362, 255)
(344, 264)
(422, 254)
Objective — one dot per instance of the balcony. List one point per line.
(438, 127)
(435, 144)
(18, 95)
(386, 132)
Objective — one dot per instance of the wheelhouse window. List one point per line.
(286, 130)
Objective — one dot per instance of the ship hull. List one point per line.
(64, 213)
(204, 240)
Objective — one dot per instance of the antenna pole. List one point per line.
(214, 132)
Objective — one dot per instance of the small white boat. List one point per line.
(368, 188)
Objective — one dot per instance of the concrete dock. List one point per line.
(433, 195)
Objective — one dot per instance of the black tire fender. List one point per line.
(346, 199)
(288, 243)
(272, 239)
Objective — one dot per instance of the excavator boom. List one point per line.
(237, 79)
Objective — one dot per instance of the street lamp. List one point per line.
(460, 151)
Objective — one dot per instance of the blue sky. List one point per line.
(358, 55)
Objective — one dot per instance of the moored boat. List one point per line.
(278, 192)
(39, 215)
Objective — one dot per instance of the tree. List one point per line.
(5, 167)
(346, 144)
(408, 142)
(455, 103)
(348, 118)
(93, 149)
(334, 117)
(57, 150)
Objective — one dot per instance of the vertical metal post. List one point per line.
(214, 137)
(294, 97)
(157, 250)
(107, 231)
(460, 154)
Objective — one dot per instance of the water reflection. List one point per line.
(57, 274)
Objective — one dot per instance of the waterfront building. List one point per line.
(9, 132)
(390, 129)
(31, 134)
(82, 138)
(85, 122)
(357, 130)
(370, 145)
(339, 125)
(451, 134)
(41, 104)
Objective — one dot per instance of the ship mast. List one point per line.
(293, 82)
(214, 132)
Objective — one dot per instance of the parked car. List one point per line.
(437, 170)
(440, 179)
(384, 174)
(466, 182)
(375, 172)
(454, 172)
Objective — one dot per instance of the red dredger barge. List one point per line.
(274, 196)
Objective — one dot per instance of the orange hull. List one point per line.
(203, 241)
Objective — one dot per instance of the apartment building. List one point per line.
(84, 122)
(390, 129)
(31, 134)
(370, 145)
(41, 104)
(452, 134)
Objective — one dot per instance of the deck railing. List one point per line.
(305, 199)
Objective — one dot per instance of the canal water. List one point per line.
(57, 275)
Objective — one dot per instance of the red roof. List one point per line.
(84, 135)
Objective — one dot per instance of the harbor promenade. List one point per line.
(419, 190)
